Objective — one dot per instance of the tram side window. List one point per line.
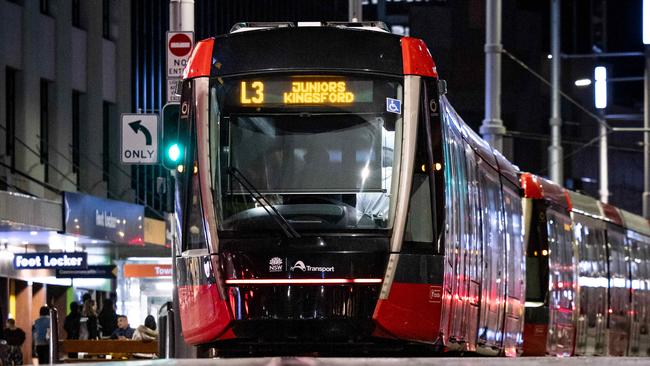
(512, 214)
(424, 224)
(561, 259)
(638, 275)
(618, 271)
(194, 237)
(591, 269)
(419, 227)
(537, 256)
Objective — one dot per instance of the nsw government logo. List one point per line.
(275, 264)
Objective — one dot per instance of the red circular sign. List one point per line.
(180, 45)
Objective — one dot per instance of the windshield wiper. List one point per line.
(287, 229)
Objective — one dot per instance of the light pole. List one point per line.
(492, 128)
(556, 163)
(600, 100)
(355, 11)
(646, 115)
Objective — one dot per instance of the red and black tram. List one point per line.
(331, 198)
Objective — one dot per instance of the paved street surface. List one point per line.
(309, 361)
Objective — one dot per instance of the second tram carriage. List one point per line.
(332, 197)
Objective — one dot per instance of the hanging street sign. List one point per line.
(101, 271)
(179, 48)
(139, 133)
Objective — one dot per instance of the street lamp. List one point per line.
(600, 75)
(600, 100)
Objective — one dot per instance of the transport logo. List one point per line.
(275, 264)
(305, 268)
(299, 265)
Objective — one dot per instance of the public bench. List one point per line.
(118, 349)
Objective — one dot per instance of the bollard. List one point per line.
(166, 342)
(54, 335)
(171, 338)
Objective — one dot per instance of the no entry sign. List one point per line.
(179, 48)
(180, 44)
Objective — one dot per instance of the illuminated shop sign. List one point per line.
(305, 91)
(100, 271)
(103, 219)
(51, 261)
(133, 270)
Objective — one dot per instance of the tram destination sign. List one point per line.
(297, 91)
(76, 260)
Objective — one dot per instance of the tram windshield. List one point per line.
(319, 149)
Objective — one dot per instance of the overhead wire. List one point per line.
(591, 114)
(601, 121)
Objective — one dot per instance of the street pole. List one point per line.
(355, 11)
(181, 15)
(492, 127)
(646, 137)
(600, 101)
(181, 19)
(604, 171)
(556, 163)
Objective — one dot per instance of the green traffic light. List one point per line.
(174, 153)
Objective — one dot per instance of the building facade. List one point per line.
(65, 77)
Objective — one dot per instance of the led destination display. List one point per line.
(305, 91)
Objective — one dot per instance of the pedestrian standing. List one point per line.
(71, 323)
(15, 338)
(108, 318)
(41, 335)
(88, 322)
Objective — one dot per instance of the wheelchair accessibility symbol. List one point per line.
(393, 105)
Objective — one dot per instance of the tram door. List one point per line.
(461, 290)
(562, 284)
(639, 339)
(589, 234)
(619, 291)
(493, 280)
(515, 266)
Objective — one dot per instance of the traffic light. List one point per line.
(172, 146)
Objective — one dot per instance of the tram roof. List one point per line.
(537, 187)
(585, 205)
(296, 49)
(327, 49)
(635, 222)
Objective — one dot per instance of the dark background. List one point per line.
(454, 30)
